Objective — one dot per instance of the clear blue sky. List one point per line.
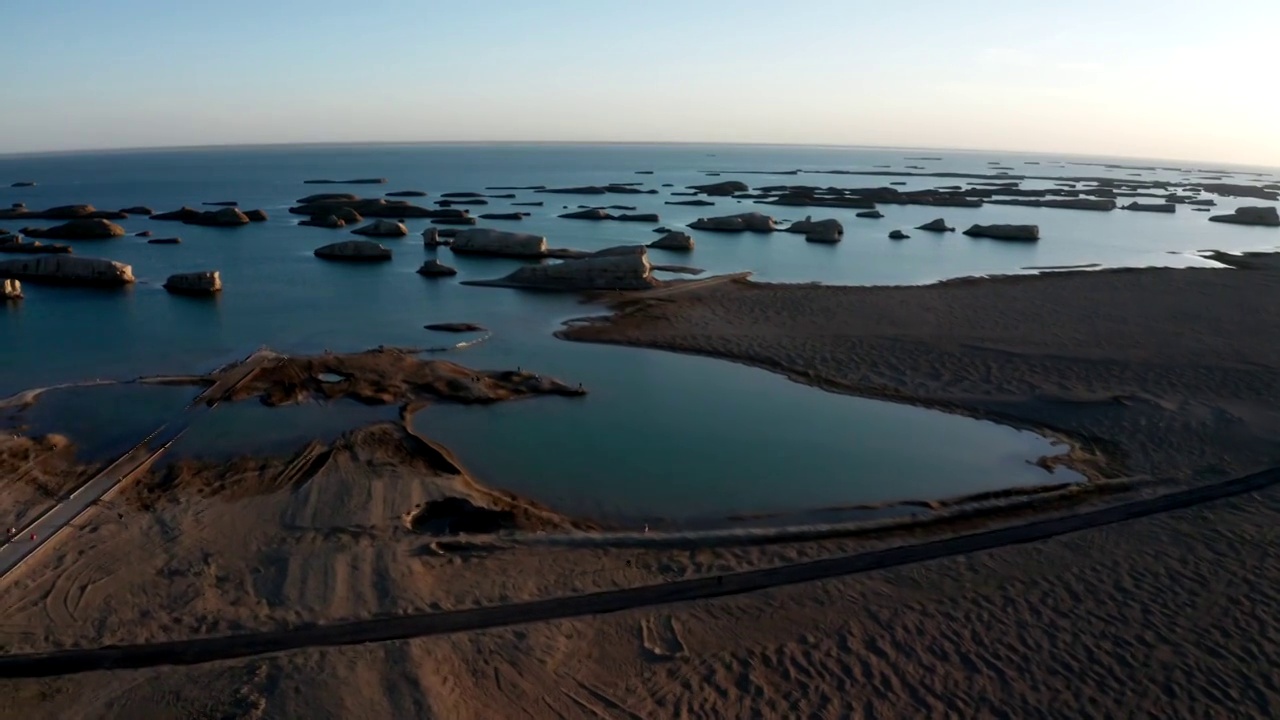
(1148, 78)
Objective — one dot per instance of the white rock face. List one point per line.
(742, 222)
(629, 271)
(68, 269)
(674, 240)
(483, 241)
(382, 228)
(355, 250)
(10, 289)
(208, 282)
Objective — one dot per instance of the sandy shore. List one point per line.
(1171, 374)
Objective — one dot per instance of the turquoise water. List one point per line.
(660, 434)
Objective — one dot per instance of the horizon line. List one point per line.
(386, 143)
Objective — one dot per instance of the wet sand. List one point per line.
(1169, 374)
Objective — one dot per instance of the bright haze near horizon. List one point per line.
(1136, 78)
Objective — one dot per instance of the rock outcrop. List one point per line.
(499, 243)
(165, 241)
(323, 221)
(674, 240)
(1100, 205)
(431, 238)
(435, 268)
(10, 289)
(222, 217)
(207, 282)
(898, 235)
(62, 212)
(628, 271)
(588, 214)
(14, 244)
(455, 327)
(339, 204)
(353, 181)
(354, 251)
(79, 229)
(721, 189)
(873, 214)
(382, 228)
(68, 270)
(819, 231)
(938, 225)
(256, 215)
(1266, 216)
(138, 210)
(502, 216)
(1029, 233)
(742, 222)
(691, 203)
(1163, 207)
(407, 193)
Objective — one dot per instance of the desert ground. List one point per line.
(1161, 380)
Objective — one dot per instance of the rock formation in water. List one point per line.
(23, 184)
(742, 222)
(323, 221)
(529, 204)
(435, 268)
(14, 244)
(898, 235)
(819, 231)
(355, 251)
(406, 193)
(589, 214)
(353, 181)
(256, 215)
(1265, 215)
(222, 203)
(223, 217)
(79, 229)
(1163, 207)
(499, 243)
(455, 327)
(721, 189)
(455, 220)
(873, 214)
(674, 240)
(207, 282)
(165, 241)
(1101, 205)
(19, 211)
(10, 289)
(691, 203)
(464, 201)
(937, 225)
(338, 204)
(138, 210)
(431, 238)
(619, 189)
(382, 228)
(1029, 233)
(503, 216)
(68, 270)
(622, 271)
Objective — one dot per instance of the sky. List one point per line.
(1136, 78)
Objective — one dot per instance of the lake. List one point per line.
(660, 435)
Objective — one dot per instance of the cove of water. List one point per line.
(660, 434)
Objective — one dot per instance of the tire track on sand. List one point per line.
(229, 647)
